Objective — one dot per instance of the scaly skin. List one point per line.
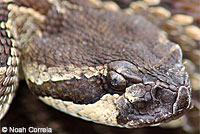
(111, 68)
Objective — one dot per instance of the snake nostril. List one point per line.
(183, 100)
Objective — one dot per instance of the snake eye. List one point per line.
(116, 81)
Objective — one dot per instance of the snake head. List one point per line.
(110, 67)
(149, 96)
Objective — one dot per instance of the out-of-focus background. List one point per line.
(26, 111)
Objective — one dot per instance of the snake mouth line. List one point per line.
(163, 106)
(59, 39)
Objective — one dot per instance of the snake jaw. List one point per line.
(154, 98)
(141, 104)
(154, 103)
(140, 112)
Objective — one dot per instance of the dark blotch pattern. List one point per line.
(96, 37)
(83, 91)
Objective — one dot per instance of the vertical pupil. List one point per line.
(114, 82)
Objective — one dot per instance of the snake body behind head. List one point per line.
(106, 66)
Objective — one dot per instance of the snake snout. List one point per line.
(183, 100)
(162, 105)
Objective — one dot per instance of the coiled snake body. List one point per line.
(110, 67)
